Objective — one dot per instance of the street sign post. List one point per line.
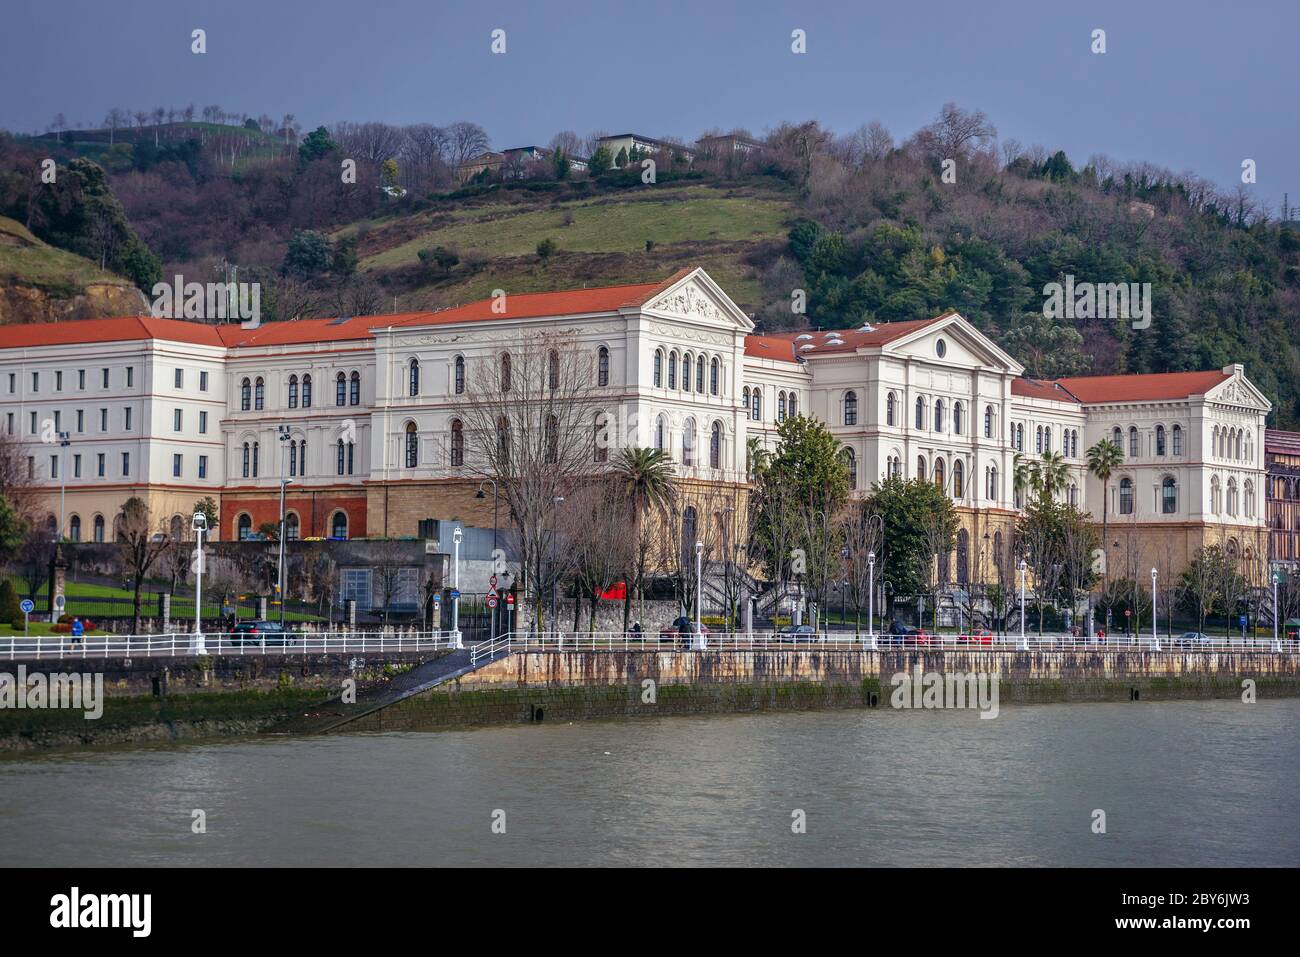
(28, 606)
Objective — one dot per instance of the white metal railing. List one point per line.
(556, 641)
(174, 644)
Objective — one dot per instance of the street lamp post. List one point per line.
(1277, 645)
(495, 570)
(871, 599)
(1155, 619)
(1024, 642)
(285, 438)
(455, 587)
(200, 525)
(65, 439)
(699, 589)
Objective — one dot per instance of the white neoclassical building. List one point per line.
(361, 413)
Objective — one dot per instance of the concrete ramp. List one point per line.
(334, 713)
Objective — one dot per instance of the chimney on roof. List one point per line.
(1235, 369)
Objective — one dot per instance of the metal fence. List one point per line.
(841, 641)
(176, 644)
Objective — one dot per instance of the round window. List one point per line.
(940, 348)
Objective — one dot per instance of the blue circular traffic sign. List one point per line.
(27, 605)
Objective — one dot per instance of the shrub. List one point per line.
(9, 610)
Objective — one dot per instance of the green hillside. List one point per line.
(26, 261)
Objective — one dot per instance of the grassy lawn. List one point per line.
(601, 224)
(39, 629)
(25, 260)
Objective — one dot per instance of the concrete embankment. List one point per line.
(165, 699)
(565, 686)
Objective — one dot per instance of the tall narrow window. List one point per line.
(413, 376)
(552, 439)
(306, 392)
(940, 479)
(259, 394)
(699, 374)
(1132, 442)
(247, 459)
(920, 412)
(340, 457)
(412, 445)
(715, 372)
(780, 407)
(659, 368)
(600, 441)
(1168, 495)
(958, 479)
(956, 418)
(457, 443)
(293, 392)
(889, 409)
(1126, 496)
(1160, 440)
(756, 401)
(1178, 440)
(715, 446)
(688, 443)
(505, 372)
(672, 370)
(341, 389)
(245, 395)
(661, 437)
(988, 421)
(459, 376)
(553, 370)
(354, 389)
(851, 465)
(686, 372)
(602, 366)
(850, 408)
(938, 415)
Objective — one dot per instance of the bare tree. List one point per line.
(860, 529)
(143, 542)
(529, 417)
(464, 142)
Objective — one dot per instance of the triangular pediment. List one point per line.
(697, 297)
(1240, 391)
(963, 345)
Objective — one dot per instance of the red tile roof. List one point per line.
(1040, 389)
(770, 347)
(1142, 388)
(1278, 440)
(850, 340)
(123, 329)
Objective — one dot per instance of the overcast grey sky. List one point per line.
(1190, 85)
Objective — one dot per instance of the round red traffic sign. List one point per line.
(493, 581)
(492, 601)
(510, 599)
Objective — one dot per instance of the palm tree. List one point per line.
(1103, 459)
(1024, 475)
(645, 476)
(757, 457)
(1053, 473)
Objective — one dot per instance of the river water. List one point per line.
(1181, 783)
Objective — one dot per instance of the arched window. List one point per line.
(889, 408)
(1126, 496)
(956, 418)
(688, 443)
(259, 394)
(672, 370)
(1168, 495)
(992, 491)
(293, 457)
(1160, 440)
(686, 372)
(553, 370)
(354, 389)
(293, 392)
(413, 376)
(99, 528)
(256, 449)
(339, 525)
(920, 467)
(715, 376)
(1215, 495)
(850, 408)
(412, 445)
(1248, 498)
(920, 412)
(247, 459)
(744, 399)
(291, 527)
(988, 421)
(938, 415)
(601, 439)
(602, 366)
(851, 463)
(341, 389)
(1116, 437)
(503, 443)
(659, 368)
(715, 446)
(1038, 440)
(306, 392)
(1232, 496)
(699, 374)
(552, 436)
(794, 406)
(1132, 441)
(74, 528)
(506, 372)
(1020, 437)
(458, 376)
(780, 407)
(756, 398)
(340, 456)
(940, 479)
(457, 443)
(958, 479)
(245, 527)
(245, 395)
(1047, 438)
(661, 434)
(963, 552)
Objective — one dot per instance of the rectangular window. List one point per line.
(9, 419)
(179, 378)
(33, 423)
(81, 379)
(177, 465)
(58, 381)
(103, 420)
(203, 382)
(126, 418)
(36, 382)
(99, 464)
(126, 463)
(105, 382)
(31, 466)
(130, 376)
(13, 382)
(81, 420)
(176, 420)
(355, 585)
(54, 466)
(58, 421)
(203, 466)
(203, 423)
(76, 466)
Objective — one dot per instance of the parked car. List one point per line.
(919, 636)
(797, 633)
(980, 636)
(1191, 639)
(259, 632)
